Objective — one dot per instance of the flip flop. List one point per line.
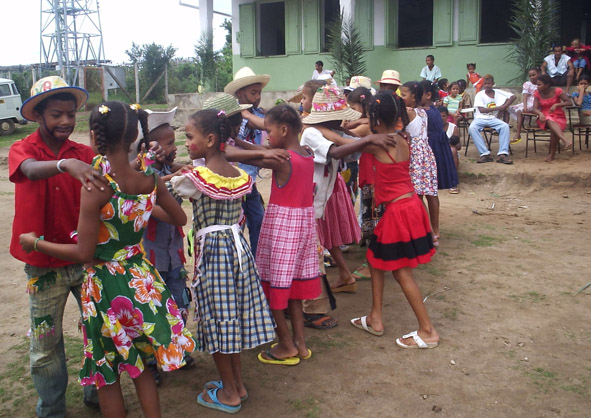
(216, 404)
(515, 141)
(287, 361)
(319, 321)
(306, 357)
(346, 288)
(217, 384)
(359, 276)
(418, 340)
(365, 327)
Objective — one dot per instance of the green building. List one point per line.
(284, 38)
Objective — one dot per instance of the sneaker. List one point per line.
(504, 159)
(485, 159)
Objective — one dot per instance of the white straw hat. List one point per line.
(390, 77)
(245, 77)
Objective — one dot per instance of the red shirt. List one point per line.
(48, 207)
(392, 180)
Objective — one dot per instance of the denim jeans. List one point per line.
(478, 124)
(176, 283)
(254, 211)
(48, 290)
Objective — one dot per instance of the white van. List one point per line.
(10, 107)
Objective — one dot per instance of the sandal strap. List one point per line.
(364, 323)
(418, 340)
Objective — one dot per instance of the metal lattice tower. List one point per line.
(71, 36)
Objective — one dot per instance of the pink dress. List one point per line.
(558, 115)
(287, 257)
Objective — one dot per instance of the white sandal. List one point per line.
(364, 326)
(419, 343)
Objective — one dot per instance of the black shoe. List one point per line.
(190, 363)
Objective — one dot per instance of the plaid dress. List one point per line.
(231, 309)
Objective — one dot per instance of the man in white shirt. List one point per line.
(560, 67)
(487, 104)
(430, 72)
(318, 71)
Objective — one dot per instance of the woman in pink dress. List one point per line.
(548, 104)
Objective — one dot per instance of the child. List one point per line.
(527, 103)
(473, 77)
(129, 314)
(163, 242)
(577, 53)
(287, 254)
(247, 87)
(451, 130)
(402, 239)
(231, 309)
(453, 102)
(430, 72)
(447, 175)
(548, 104)
(443, 85)
(336, 220)
(47, 167)
(466, 102)
(582, 98)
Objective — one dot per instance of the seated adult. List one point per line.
(559, 67)
(488, 103)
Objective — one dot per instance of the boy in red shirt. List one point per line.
(48, 170)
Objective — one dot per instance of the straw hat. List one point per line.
(330, 104)
(226, 103)
(47, 87)
(245, 77)
(390, 77)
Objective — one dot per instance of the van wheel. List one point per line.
(6, 127)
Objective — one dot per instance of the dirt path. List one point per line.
(515, 341)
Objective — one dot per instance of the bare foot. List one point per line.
(223, 397)
(280, 352)
(239, 388)
(549, 158)
(342, 282)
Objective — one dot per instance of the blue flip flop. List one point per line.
(216, 404)
(218, 384)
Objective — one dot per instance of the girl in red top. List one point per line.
(287, 256)
(402, 239)
(548, 104)
(473, 77)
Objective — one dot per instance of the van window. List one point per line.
(15, 90)
(5, 90)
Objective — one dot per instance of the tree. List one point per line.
(152, 60)
(215, 67)
(536, 24)
(345, 48)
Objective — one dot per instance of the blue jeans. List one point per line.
(176, 283)
(48, 290)
(580, 63)
(254, 211)
(478, 124)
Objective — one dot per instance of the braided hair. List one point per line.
(360, 95)
(116, 124)
(416, 90)
(429, 87)
(285, 114)
(388, 108)
(212, 121)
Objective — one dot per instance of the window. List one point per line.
(5, 90)
(271, 33)
(415, 23)
(494, 21)
(15, 90)
(330, 11)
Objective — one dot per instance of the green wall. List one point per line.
(289, 72)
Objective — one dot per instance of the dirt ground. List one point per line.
(515, 340)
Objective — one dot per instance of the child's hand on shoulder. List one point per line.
(383, 141)
(27, 241)
(84, 173)
(277, 154)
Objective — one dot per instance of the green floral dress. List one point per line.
(129, 314)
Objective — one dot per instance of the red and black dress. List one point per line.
(403, 236)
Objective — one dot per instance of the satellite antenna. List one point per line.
(71, 37)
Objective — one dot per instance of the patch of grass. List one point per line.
(431, 269)
(544, 380)
(532, 296)
(20, 132)
(473, 175)
(6, 193)
(308, 406)
(440, 297)
(485, 241)
(327, 342)
(450, 313)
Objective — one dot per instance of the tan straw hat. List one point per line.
(245, 77)
(330, 104)
(47, 87)
(225, 102)
(390, 77)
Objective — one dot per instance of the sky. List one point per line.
(164, 22)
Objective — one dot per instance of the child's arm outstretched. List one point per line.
(167, 209)
(371, 143)
(256, 156)
(88, 231)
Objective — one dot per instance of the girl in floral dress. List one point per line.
(423, 167)
(231, 310)
(129, 314)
